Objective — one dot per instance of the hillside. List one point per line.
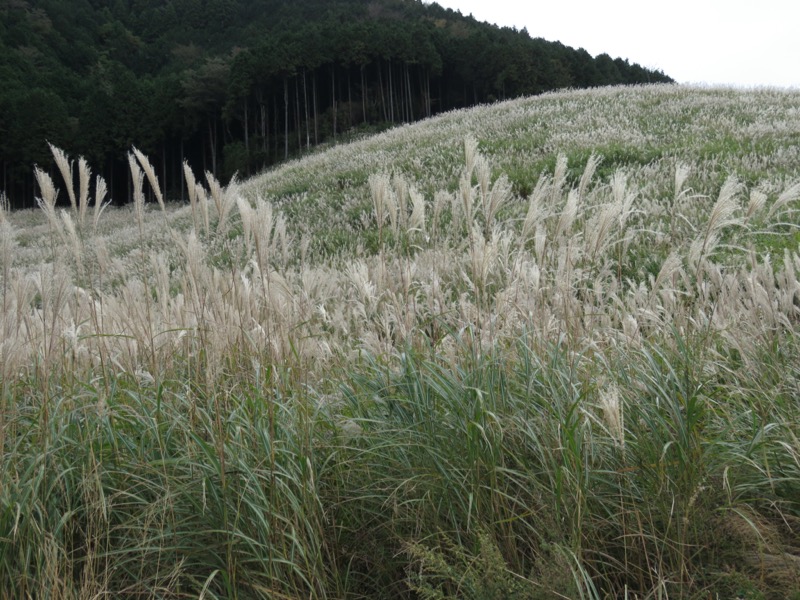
(235, 85)
(544, 348)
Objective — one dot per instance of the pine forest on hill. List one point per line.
(236, 85)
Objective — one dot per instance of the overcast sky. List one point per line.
(738, 42)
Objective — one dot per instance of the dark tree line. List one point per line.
(236, 85)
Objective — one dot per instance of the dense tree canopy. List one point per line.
(234, 85)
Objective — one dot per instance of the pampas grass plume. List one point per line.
(588, 173)
(74, 239)
(788, 196)
(65, 167)
(137, 176)
(84, 178)
(416, 221)
(151, 176)
(47, 200)
(721, 216)
(100, 191)
(191, 186)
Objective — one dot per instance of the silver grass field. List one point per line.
(540, 349)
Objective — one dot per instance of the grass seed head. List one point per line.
(65, 166)
(84, 178)
(148, 169)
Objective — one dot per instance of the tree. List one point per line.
(251, 78)
(204, 94)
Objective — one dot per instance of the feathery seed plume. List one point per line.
(215, 191)
(498, 196)
(670, 267)
(758, 200)
(568, 215)
(440, 200)
(622, 198)
(416, 221)
(379, 188)
(599, 228)
(151, 176)
(224, 199)
(613, 413)
(401, 194)
(484, 172)
(246, 214)
(559, 178)
(84, 177)
(201, 198)
(191, 186)
(47, 201)
(588, 172)
(137, 176)
(467, 200)
(8, 243)
(536, 211)
(74, 240)
(788, 196)
(721, 216)
(470, 153)
(681, 174)
(65, 167)
(100, 191)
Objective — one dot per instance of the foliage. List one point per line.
(196, 79)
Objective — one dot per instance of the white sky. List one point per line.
(737, 42)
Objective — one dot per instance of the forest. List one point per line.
(233, 86)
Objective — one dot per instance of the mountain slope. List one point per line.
(643, 130)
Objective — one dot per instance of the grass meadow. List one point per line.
(540, 349)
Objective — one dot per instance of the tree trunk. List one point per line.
(297, 114)
(212, 144)
(264, 130)
(363, 97)
(130, 185)
(391, 93)
(410, 97)
(403, 95)
(246, 129)
(286, 118)
(349, 98)
(314, 99)
(164, 168)
(305, 101)
(175, 172)
(428, 91)
(333, 95)
(275, 128)
(380, 86)
(423, 91)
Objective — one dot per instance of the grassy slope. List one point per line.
(717, 132)
(556, 358)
